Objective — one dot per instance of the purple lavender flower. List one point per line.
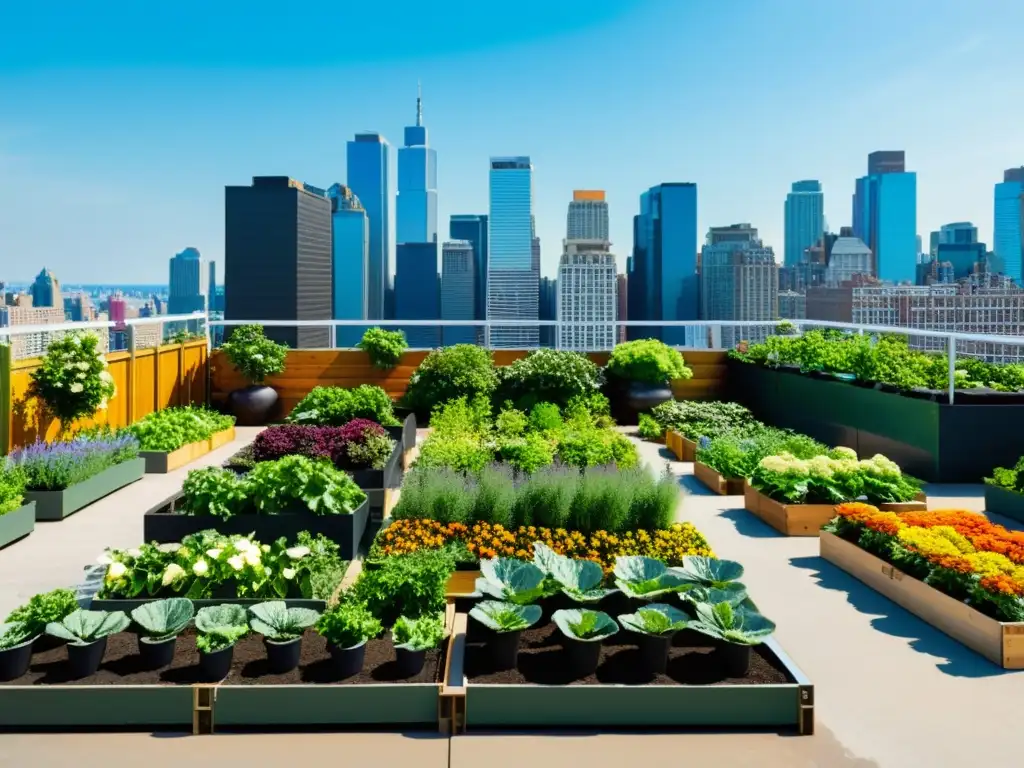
(704, 442)
(56, 466)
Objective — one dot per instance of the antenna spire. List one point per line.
(419, 103)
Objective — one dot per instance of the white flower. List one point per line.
(172, 573)
(265, 547)
(236, 562)
(102, 406)
(200, 568)
(213, 554)
(83, 366)
(76, 340)
(252, 557)
(297, 553)
(80, 376)
(76, 387)
(169, 548)
(257, 356)
(106, 378)
(134, 552)
(58, 385)
(243, 545)
(288, 573)
(116, 571)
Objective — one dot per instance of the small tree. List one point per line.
(254, 355)
(73, 380)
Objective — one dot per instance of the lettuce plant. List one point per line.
(580, 580)
(422, 634)
(164, 619)
(83, 627)
(645, 577)
(43, 608)
(276, 621)
(511, 580)
(656, 619)
(220, 626)
(348, 624)
(738, 625)
(282, 485)
(505, 617)
(586, 625)
(16, 633)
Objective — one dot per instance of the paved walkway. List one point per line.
(891, 691)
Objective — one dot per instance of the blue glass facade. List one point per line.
(512, 281)
(1008, 238)
(416, 211)
(894, 226)
(961, 257)
(417, 292)
(368, 174)
(804, 218)
(458, 291)
(473, 227)
(350, 259)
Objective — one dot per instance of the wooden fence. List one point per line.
(146, 381)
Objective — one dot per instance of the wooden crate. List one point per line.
(790, 519)
(723, 486)
(919, 504)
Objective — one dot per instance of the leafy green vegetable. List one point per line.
(44, 608)
(738, 625)
(12, 487)
(299, 481)
(580, 580)
(645, 577)
(276, 621)
(15, 633)
(407, 585)
(348, 624)
(708, 571)
(169, 429)
(511, 580)
(385, 348)
(220, 626)
(164, 619)
(586, 625)
(215, 491)
(83, 627)
(420, 634)
(505, 617)
(337, 406)
(656, 619)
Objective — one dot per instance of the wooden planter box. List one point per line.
(998, 500)
(723, 486)
(56, 505)
(790, 519)
(17, 524)
(919, 504)
(159, 463)
(163, 523)
(683, 448)
(1000, 643)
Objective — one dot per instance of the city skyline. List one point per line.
(136, 128)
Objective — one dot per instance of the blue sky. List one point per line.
(121, 122)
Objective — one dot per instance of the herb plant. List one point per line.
(657, 619)
(12, 487)
(220, 626)
(13, 634)
(697, 418)
(649, 428)
(83, 627)
(73, 380)
(164, 619)
(647, 360)
(171, 428)
(336, 406)
(385, 348)
(505, 617)
(1012, 479)
(279, 623)
(44, 608)
(56, 466)
(411, 586)
(421, 634)
(254, 355)
(586, 625)
(348, 624)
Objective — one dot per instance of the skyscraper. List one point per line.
(887, 161)
(588, 216)
(960, 232)
(45, 290)
(663, 283)
(547, 308)
(885, 216)
(621, 305)
(416, 210)
(805, 219)
(185, 295)
(417, 292)
(473, 228)
(277, 257)
(586, 291)
(211, 287)
(350, 260)
(458, 291)
(512, 281)
(1008, 238)
(368, 169)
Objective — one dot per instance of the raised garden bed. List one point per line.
(1000, 642)
(999, 501)
(790, 519)
(158, 462)
(56, 505)
(684, 448)
(919, 504)
(716, 483)
(17, 523)
(694, 692)
(164, 523)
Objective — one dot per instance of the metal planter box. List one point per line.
(70, 707)
(998, 500)
(378, 482)
(56, 505)
(17, 523)
(158, 462)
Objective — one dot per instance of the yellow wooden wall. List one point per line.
(174, 374)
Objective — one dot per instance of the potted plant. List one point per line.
(73, 380)
(412, 639)
(506, 622)
(640, 374)
(161, 621)
(738, 627)
(584, 630)
(282, 629)
(654, 625)
(347, 627)
(16, 641)
(220, 627)
(255, 357)
(86, 633)
(641, 579)
(40, 610)
(384, 348)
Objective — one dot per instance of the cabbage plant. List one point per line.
(511, 580)
(505, 617)
(738, 625)
(220, 626)
(580, 580)
(656, 619)
(276, 621)
(164, 619)
(16, 633)
(710, 580)
(84, 627)
(645, 577)
(584, 624)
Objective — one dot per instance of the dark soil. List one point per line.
(122, 665)
(542, 662)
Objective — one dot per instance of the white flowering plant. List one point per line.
(254, 355)
(834, 478)
(73, 380)
(205, 562)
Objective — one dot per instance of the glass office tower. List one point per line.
(368, 168)
(805, 219)
(1008, 237)
(512, 280)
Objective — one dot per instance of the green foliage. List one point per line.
(82, 627)
(734, 455)
(421, 634)
(586, 625)
(164, 619)
(408, 585)
(506, 617)
(44, 608)
(183, 336)
(649, 428)
(215, 491)
(299, 481)
(594, 447)
(254, 355)
(545, 417)
(373, 452)
(732, 624)
(832, 479)
(463, 370)
(385, 348)
(696, 418)
(550, 375)
(645, 578)
(526, 454)
(12, 487)
(73, 380)
(511, 580)
(511, 423)
(276, 621)
(463, 453)
(494, 497)
(13, 634)
(170, 429)
(337, 406)
(220, 626)
(1012, 479)
(657, 619)
(647, 360)
(348, 624)
(579, 580)
(594, 405)
(462, 416)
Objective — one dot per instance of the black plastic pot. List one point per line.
(14, 662)
(84, 660)
(283, 656)
(503, 648)
(654, 652)
(215, 666)
(581, 656)
(157, 654)
(410, 663)
(252, 406)
(347, 661)
(628, 399)
(735, 658)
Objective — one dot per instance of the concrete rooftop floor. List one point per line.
(890, 690)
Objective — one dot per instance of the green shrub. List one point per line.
(550, 375)
(12, 487)
(595, 447)
(72, 380)
(407, 585)
(254, 355)
(649, 428)
(511, 423)
(1012, 479)
(461, 416)
(594, 405)
(337, 406)
(647, 360)
(451, 372)
(384, 348)
(464, 453)
(527, 453)
(695, 418)
(545, 417)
